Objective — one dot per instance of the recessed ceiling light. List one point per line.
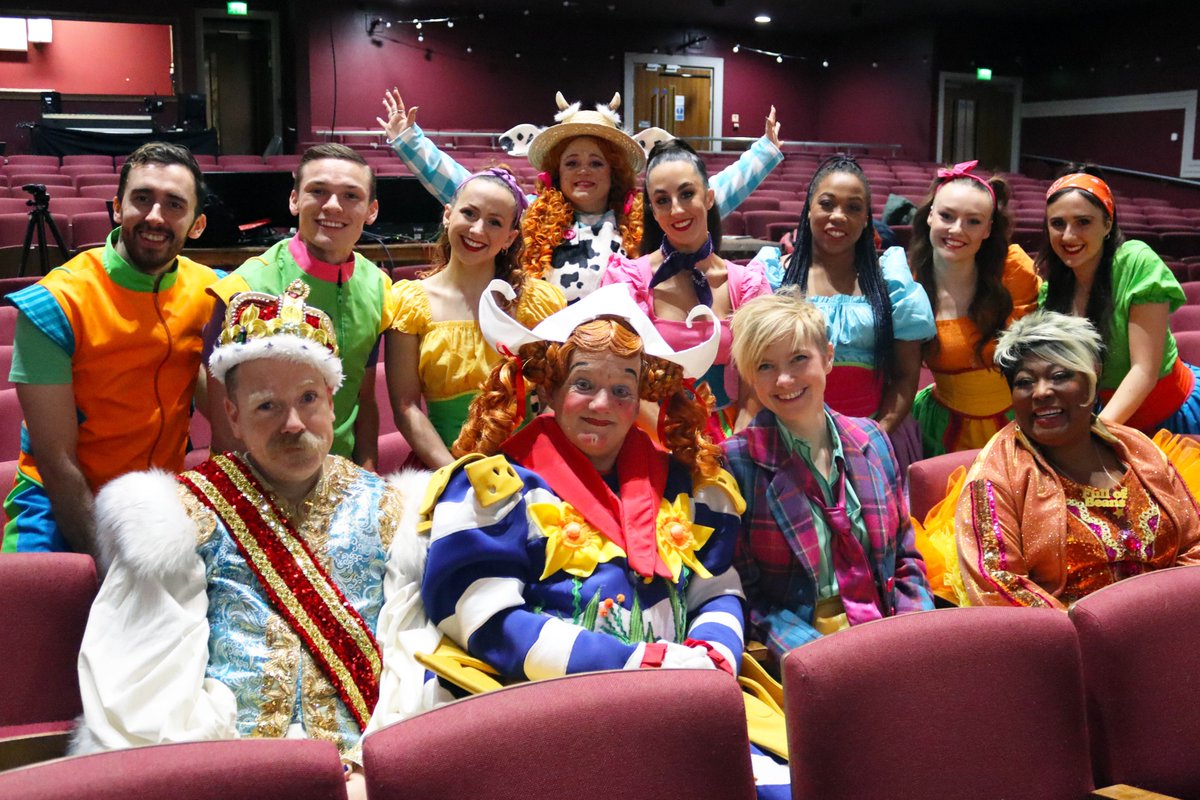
(762, 19)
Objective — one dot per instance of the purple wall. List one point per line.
(495, 90)
(882, 90)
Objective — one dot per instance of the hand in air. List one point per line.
(398, 119)
(772, 129)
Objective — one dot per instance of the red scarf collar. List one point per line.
(631, 520)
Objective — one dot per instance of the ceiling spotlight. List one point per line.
(824, 63)
(418, 26)
(449, 23)
(778, 59)
(470, 49)
(762, 19)
(737, 47)
(420, 37)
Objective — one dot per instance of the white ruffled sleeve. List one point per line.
(145, 650)
(403, 629)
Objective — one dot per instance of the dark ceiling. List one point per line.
(799, 16)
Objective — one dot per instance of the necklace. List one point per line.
(1115, 496)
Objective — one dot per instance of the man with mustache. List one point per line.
(106, 355)
(334, 198)
(247, 597)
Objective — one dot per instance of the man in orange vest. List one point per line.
(106, 355)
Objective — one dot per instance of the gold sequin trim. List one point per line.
(202, 515)
(391, 509)
(987, 533)
(318, 702)
(278, 680)
(264, 568)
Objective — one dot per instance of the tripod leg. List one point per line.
(28, 240)
(43, 256)
(58, 239)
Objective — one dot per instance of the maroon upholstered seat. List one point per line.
(1140, 641)
(8, 474)
(46, 598)
(985, 703)
(635, 734)
(10, 427)
(91, 228)
(1185, 318)
(262, 769)
(927, 479)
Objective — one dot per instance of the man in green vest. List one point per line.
(333, 197)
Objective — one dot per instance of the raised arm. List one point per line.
(734, 184)
(438, 172)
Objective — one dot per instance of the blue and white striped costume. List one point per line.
(580, 261)
(483, 588)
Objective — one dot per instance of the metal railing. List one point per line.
(790, 144)
(1134, 173)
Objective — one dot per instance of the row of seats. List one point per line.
(976, 702)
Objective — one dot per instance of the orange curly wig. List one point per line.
(551, 215)
(493, 415)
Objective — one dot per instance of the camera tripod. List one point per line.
(40, 219)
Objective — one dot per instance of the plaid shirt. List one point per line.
(441, 174)
(778, 554)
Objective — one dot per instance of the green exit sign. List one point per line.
(981, 73)
(237, 9)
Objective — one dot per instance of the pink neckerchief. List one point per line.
(321, 270)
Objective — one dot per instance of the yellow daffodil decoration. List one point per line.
(679, 537)
(572, 545)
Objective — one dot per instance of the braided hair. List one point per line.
(866, 261)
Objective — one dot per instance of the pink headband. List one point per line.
(963, 170)
(1084, 183)
(509, 181)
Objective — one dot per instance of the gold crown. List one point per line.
(257, 315)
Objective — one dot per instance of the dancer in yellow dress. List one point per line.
(435, 351)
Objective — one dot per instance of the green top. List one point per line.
(37, 360)
(826, 578)
(357, 309)
(1139, 276)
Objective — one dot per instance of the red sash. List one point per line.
(307, 598)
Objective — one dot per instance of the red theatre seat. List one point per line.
(634, 734)
(1140, 640)
(927, 479)
(263, 769)
(46, 598)
(988, 701)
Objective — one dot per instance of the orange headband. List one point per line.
(1085, 183)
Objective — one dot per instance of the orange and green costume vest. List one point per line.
(135, 342)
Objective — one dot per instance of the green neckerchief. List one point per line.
(130, 277)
